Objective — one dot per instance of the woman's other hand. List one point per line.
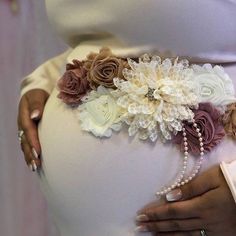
(206, 203)
(30, 111)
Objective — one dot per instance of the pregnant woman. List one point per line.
(96, 185)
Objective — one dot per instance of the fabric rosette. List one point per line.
(103, 67)
(207, 118)
(214, 86)
(99, 113)
(156, 97)
(229, 120)
(73, 85)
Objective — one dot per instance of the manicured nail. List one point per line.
(34, 165)
(141, 228)
(35, 114)
(174, 195)
(35, 154)
(31, 167)
(142, 218)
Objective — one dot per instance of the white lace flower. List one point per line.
(214, 85)
(156, 96)
(99, 113)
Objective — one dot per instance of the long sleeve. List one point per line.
(45, 76)
(229, 172)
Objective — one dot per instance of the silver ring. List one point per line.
(203, 232)
(20, 135)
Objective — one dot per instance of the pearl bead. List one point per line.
(185, 139)
(202, 153)
(185, 144)
(202, 149)
(195, 125)
(200, 139)
(184, 134)
(199, 135)
(198, 130)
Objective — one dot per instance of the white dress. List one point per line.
(94, 186)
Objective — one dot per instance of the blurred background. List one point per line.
(26, 40)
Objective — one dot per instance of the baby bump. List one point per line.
(95, 186)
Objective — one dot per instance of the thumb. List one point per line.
(198, 186)
(36, 101)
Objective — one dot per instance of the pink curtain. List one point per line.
(26, 40)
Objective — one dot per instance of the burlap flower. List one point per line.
(229, 120)
(73, 85)
(207, 118)
(103, 67)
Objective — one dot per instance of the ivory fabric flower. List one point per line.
(99, 113)
(207, 118)
(73, 85)
(103, 67)
(214, 85)
(229, 120)
(156, 97)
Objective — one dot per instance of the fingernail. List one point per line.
(142, 218)
(35, 114)
(141, 228)
(174, 195)
(35, 154)
(34, 165)
(31, 167)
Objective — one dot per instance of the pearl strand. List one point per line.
(181, 180)
(178, 181)
(199, 163)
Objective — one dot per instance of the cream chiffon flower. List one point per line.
(214, 85)
(156, 97)
(99, 113)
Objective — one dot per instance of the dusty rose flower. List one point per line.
(229, 120)
(73, 85)
(207, 118)
(103, 67)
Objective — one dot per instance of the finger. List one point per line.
(177, 210)
(203, 183)
(184, 233)
(32, 163)
(29, 127)
(36, 101)
(172, 225)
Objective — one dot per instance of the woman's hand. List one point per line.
(205, 203)
(30, 111)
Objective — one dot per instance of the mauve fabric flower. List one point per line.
(207, 118)
(73, 85)
(229, 120)
(103, 67)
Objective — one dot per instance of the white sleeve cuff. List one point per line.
(45, 76)
(229, 172)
